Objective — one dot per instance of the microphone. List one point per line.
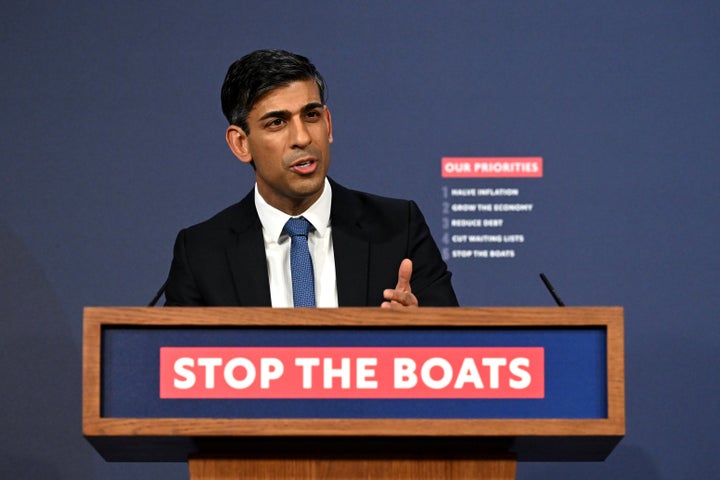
(551, 290)
(158, 295)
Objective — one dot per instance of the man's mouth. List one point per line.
(305, 167)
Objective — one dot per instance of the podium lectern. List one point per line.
(426, 393)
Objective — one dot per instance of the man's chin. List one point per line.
(309, 186)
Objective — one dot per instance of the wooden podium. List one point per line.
(580, 416)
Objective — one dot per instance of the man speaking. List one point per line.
(299, 238)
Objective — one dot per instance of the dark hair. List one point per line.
(258, 73)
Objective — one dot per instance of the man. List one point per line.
(360, 245)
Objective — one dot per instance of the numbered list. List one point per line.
(483, 223)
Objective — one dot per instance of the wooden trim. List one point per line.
(92, 343)
(348, 427)
(360, 316)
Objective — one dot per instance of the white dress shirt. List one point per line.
(277, 250)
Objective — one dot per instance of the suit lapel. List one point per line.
(352, 249)
(246, 256)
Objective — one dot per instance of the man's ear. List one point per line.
(237, 140)
(329, 122)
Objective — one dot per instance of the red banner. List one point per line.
(352, 372)
(492, 167)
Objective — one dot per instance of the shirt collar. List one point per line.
(273, 220)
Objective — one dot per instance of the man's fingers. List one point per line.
(404, 275)
(401, 296)
(398, 299)
(398, 296)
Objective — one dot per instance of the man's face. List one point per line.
(289, 142)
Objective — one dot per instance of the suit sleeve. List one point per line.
(431, 280)
(181, 289)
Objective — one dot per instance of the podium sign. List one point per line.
(167, 384)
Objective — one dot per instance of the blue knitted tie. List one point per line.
(301, 268)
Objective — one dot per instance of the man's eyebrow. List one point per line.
(286, 113)
(275, 114)
(312, 106)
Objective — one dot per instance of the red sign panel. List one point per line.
(492, 167)
(352, 372)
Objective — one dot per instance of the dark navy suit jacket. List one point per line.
(221, 262)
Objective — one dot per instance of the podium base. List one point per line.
(495, 468)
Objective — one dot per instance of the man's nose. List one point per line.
(300, 134)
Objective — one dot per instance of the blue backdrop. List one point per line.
(111, 140)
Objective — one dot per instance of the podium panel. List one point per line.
(370, 469)
(326, 389)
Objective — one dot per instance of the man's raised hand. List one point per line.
(402, 295)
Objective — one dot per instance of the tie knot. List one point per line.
(297, 226)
